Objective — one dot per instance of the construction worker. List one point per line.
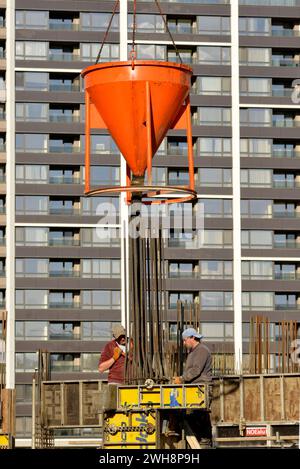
(198, 367)
(113, 356)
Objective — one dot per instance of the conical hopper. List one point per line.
(118, 90)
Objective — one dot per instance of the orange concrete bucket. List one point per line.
(138, 102)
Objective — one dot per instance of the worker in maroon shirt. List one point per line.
(113, 356)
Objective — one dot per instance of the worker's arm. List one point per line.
(105, 363)
(197, 365)
(104, 366)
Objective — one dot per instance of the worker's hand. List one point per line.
(117, 353)
(177, 380)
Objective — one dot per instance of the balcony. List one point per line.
(63, 56)
(64, 180)
(63, 26)
(65, 336)
(288, 122)
(64, 211)
(64, 305)
(64, 87)
(285, 153)
(64, 242)
(287, 244)
(64, 367)
(64, 273)
(66, 119)
(61, 149)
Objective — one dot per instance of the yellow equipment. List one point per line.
(151, 416)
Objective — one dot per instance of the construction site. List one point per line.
(253, 397)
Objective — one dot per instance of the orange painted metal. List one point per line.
(138, 103)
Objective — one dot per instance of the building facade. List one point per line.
(63, 285)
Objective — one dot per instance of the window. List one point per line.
(103, 175)
(31, 236)
(256, 177)
(255, 56)
(100, 237)
(147, 23)
(216, 207)
(29, 174)
(98, 21)
(89, 52)
(213, 55)
(150, 52)
(23, 427)
(32, 81)
(31, 204)
(216, 300)
(257, 239)
(102, 144)
(258, 300)
(96, 330)
(256, 208)
(181, 270)
(214, 146)
(184, 297)
(100, 299)
(89, 362)
(214, 85)
(214, 116)
(24, 393)
(210, 177)
(32, 112)
(257, 269)
(255, 26)
(62, 330)
(213, 24)
(107, 207)
(26, 361)
(217, 238)
(101, 268)
(31, 299)
(31, 143)
(215, 269)
(256, 147)
(256, 86)
(32, 267)
(256, 117)
(29, 50)
(31, 330)
(31, 19)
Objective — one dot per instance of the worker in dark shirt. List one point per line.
(113, 356)
(198, 367)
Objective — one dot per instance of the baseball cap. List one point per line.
(118, 330)
(191, 332)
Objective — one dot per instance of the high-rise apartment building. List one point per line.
(63, 285)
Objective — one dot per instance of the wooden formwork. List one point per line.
(256, 399)
(71, 404)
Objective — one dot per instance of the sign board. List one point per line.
(4, 441)
(256, 431)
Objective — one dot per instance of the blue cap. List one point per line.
(191, 332)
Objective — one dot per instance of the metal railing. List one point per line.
(64, 180)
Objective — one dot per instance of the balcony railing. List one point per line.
(288, 244)
(65, 336)
(64, 118)
(64, 180)
(64, 87)
(64, 57)
(64, 367)
(286, 122)
(62, 149)
(64, 273)
(64, 211)
(63, 26)
(64, 242)
(64, 305)
(285, 153)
